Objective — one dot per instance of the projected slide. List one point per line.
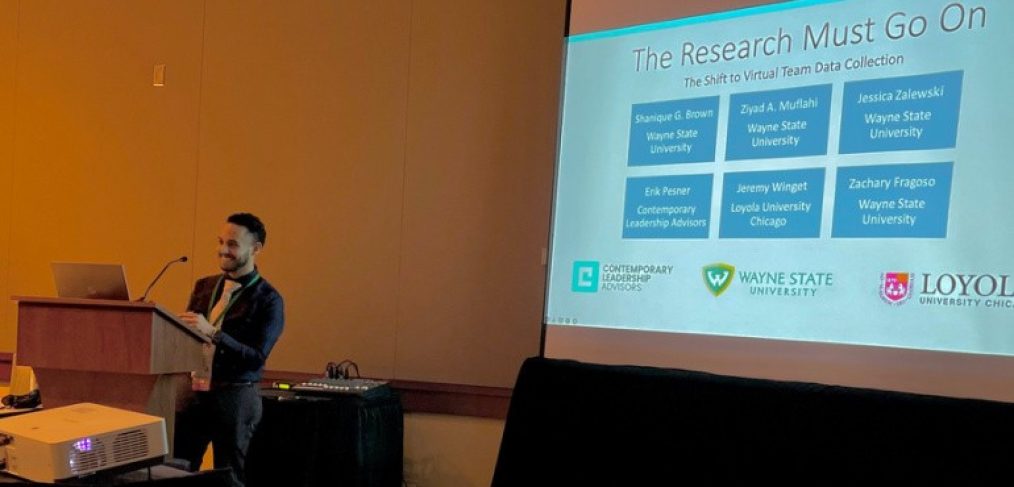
(829, 171)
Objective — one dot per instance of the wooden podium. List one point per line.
(123, 354)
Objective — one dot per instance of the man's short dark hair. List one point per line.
(251, 223)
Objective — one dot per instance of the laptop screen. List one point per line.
(93, 281)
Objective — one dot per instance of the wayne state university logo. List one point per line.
(895, 287)
(718, 277)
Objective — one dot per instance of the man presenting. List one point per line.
(244, 316)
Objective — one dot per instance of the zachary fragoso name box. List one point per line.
(892, 201)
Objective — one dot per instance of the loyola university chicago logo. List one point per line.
(895, 287)
(718, 277)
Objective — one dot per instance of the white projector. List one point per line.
(80, 439)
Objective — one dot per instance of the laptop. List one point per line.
(92, 281)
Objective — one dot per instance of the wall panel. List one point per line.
(104, 162)
(8, 62)
(595, 15)
(481, 151)
(303, 123)
(450, 451)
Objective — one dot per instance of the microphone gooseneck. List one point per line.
(144, 297)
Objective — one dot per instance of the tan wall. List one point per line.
(401, 153)
(8, 42)
(595, 15)
(304, 110)
(450, 451)
(484, 91)
(104, 163)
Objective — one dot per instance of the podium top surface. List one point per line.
(110, 303)
(88, 302)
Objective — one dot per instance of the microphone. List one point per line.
(167, 264)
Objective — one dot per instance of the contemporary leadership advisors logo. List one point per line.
(592, 276)
(585, 278)
(895, 287)
(718, 277)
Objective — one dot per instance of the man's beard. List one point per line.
(230, 265)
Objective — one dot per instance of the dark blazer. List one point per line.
(249, 331)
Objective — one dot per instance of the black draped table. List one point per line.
(338, 440)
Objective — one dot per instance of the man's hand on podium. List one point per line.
(197, 322)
